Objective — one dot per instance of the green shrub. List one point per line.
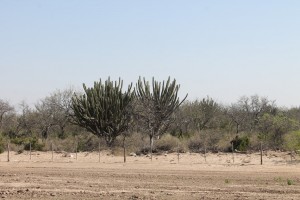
(36, 144)
(278, 179)
(2, 144)
(1, 148)
(18, 141)
(290, 182)
(292, 141)
(241, 143)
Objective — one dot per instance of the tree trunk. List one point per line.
(30, 150)
(8, 152)
(45, 132)
(261, 153)
(205, 151)
(124, 149)
(151, 146)
(99, 149)
(178, 155)
(76, 146)
(52, 150)
(61, 134)
(232, 148)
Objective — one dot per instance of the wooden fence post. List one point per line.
(232, 148)
(30, 150)
(76, 148)
(205, 152)
(99, 150)
(178, 155)
(52, 150)
(261, 153)
(8, 152)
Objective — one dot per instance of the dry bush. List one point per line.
(134, 142)
(14, 147)
(67, 144)
(195, 143)
(169, 143)
(208, 139)
(83, 142)
(90, 142)
(224, 144)
(255, 142)
(139, 143)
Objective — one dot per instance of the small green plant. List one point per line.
(227, 181)
(290, 182)
(20, 151)
(278, 179)
(35, 144)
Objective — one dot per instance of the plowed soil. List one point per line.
(164, 178)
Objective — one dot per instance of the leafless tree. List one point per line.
(54, 110)
(27, 120)
(5, 108)
(246, 113)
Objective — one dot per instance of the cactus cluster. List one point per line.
(156, 106)
(104, 109)
(107, 111)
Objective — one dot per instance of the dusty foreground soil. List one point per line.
(163, 178)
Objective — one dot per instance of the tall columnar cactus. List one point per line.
(104, 109)
(156, 106)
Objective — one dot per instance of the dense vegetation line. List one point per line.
(152, 111)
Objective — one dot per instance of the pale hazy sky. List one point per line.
(221, 48)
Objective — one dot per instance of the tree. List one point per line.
(44, 115)
(294, 113)
(255, 108)
(104, 109)
(238, 115)
(156, 105)
(203, 114)
(246, 113)
(182, 120)
(26, 120)
(58, 106)
(5, 108)
(272, 129)
(54, 111)
(292, 141)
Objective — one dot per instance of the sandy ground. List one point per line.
(164, 178)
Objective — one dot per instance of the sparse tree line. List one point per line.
(148, 117)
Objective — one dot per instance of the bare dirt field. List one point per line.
(163, 178)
